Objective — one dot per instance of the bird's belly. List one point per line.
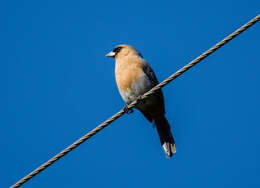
(139, 87)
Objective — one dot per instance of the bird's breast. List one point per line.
(126, 76)
(131, 81)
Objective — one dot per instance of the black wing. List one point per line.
(151, 75)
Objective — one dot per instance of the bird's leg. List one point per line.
(128, 110)
(139, 99)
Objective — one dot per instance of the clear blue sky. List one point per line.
(56, 85)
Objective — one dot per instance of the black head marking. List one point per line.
(140, 54)
(117, 49)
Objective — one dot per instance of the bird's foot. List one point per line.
(128, 110)
(139, 98)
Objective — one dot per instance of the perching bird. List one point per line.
(134, 77)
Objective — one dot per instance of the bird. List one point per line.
(134, 77)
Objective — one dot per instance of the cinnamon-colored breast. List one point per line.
(127, 73)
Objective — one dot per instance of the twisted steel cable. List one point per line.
(133, 104)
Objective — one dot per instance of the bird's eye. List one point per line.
(117, 49)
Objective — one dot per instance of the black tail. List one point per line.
(165, 135)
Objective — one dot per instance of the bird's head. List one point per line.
(122, 51)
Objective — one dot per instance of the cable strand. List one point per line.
(133, 104)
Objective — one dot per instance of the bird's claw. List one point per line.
(128, 110)
(139, 98)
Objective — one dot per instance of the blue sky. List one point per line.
(57, 85)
